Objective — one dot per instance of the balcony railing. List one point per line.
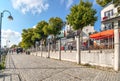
(110, 17)
(104, 18)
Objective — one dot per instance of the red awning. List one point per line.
(103, 34)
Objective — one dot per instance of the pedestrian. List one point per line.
(68, 46)
(71, 48)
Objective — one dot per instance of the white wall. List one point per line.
(94, 57)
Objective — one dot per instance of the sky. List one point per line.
(27, 13)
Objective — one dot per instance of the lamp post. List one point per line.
(1, 15)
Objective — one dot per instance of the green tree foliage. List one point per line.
(38, 33)
(81, 15)
(19, 45)
(116, 2)
(2, 63)
(41, 32)
(105, 2)
(14, 46)
(27, 38)
(54, 27)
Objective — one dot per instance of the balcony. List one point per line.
(110, 19)
(105, 18)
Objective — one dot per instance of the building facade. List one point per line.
(110, 17)
(85, 31)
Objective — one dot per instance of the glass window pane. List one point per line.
(118, 23)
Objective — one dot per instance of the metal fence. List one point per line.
(70, 44)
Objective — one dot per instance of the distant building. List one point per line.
(70, 35)
(85, 32)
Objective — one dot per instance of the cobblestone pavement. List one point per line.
(33, 68)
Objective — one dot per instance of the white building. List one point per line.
(110, 17)
(85, 32)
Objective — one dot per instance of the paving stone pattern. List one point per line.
(23, 67)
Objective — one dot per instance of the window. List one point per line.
(109, 26)
(118, 23)
(108, 13)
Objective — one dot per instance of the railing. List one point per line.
(110, 17)
(72, 47)
(104, 18)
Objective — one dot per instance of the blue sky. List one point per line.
(27, 13)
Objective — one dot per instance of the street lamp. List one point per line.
(1, 15)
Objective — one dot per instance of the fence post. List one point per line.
(78, 55)
(48, 48)
(60, 49)
(116, 49)
(41, 50)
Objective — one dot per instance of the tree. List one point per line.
(81, 15)
(54, 27)
(116, 2)
(105, 2)
(14, 46)
(38, 33)
(20, 44)
(27, 38)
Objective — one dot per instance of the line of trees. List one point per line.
(40, 33)
(80, 15)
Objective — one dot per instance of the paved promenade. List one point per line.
(34, 68)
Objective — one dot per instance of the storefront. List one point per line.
(105, 39)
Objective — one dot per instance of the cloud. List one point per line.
(33, 6)
(70, 2)
(10, 37)
(67, 2)
(34, 26)
(94, 2)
